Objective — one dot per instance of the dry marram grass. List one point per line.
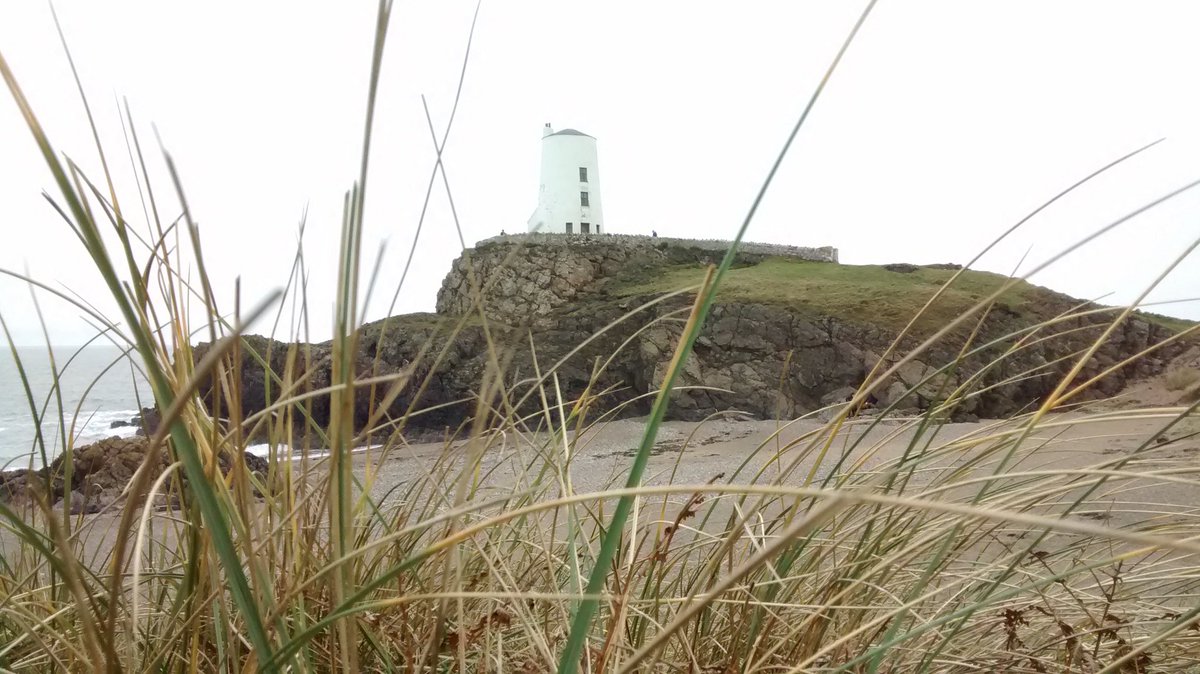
(1048, 542)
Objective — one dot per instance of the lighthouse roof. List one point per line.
(569, 132)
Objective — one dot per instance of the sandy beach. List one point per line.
(732, 451)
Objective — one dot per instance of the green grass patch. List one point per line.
(858, 293)
(872, 294)
(1169, 322)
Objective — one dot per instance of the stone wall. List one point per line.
(634, 241)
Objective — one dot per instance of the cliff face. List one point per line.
(524, 277)
(779, 353)
(786, 337)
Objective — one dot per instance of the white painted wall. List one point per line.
(559, 202)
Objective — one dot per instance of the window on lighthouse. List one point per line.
(583, 198)
(583, 174)
(568, 228)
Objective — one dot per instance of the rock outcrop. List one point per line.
(522, 279)
(100, 472)
(585, 307)
(146, 421)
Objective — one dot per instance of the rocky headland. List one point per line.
(788, 334)
(597, 319)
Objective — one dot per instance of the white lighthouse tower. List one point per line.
(569, 198)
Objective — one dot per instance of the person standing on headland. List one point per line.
(654, 234)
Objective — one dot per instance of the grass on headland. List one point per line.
(868, 294)
(902, 549)
(876, 295)
(1169, 322)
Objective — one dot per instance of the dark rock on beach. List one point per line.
(100, 473)
(146, 422)
(14, 484)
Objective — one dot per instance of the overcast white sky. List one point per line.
(946, 123)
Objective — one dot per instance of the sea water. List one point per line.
(98, 385)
